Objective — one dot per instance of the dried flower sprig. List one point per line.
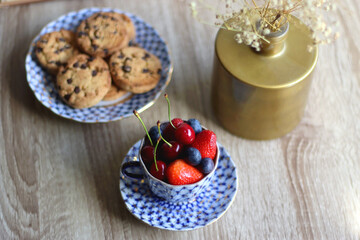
(253, 20)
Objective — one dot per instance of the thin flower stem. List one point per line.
(253, 1)
(266, 9)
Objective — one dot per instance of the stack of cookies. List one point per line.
(96, 63)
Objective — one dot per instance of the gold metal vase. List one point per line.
(262, 95)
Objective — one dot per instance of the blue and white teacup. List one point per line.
(173, 193)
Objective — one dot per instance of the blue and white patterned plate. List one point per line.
(43, 87)
(208, 206)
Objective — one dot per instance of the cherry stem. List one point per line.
(168, 101)
(158, 125)
(147, 133)
(156, 146)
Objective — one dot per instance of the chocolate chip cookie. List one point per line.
(84, 81)
(130, 28)
(135, 70)
(114, 93)
(54, 49)
(103, 33)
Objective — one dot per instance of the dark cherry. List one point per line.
(170, 153)
(147, 155)
(147, 142)
(185, 134)
(169, 131)
(160, 174)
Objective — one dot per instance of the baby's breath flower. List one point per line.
(266, 31)
(253, 22)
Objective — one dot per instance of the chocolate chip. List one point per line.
(52, 62)
(90, 59)
(128, 59)
(80, 34)
(159, 71)
(98, 15)
(67, 46)
(76, 89)
(69, 80)
(58, 87)
(39, 49)
(67, 97)
(62, 39)
(64, 71)
(87, 26)
(95, 27)
(83, 66)
(146, 56)
(145, 70)
(58, 63)
(61, 49)
(97, 34)
(43, 41)
(113, 63)
(106, 51)
(106, 25)
(105, 17)
(115, 32)
(95, 47)
(114, 19)
(76, 65)
(93, 73)
(121, 56)
(56, 52)
(126, 68)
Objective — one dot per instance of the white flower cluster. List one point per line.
(242, 16)
(312, 14)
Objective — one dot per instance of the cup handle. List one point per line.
(133, 176)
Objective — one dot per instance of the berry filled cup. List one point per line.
(178, 158)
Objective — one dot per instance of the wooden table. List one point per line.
(59, 179)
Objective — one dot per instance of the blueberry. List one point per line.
(193, 156)
(163, 126)
(206, 165)
(195, 124)
(154, 134)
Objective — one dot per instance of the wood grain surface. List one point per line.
(8, 3)
(59, 179)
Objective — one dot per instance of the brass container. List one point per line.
(262, 95)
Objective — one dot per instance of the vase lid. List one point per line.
(284, 69)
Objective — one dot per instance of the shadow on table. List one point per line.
(105, 157)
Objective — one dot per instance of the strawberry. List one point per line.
(181, 173)
(205, 142)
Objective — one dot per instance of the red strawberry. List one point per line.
(169, 131)
(205, 142)
(181, 173)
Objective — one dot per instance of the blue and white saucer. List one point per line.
(205, 209)
(43, 86)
